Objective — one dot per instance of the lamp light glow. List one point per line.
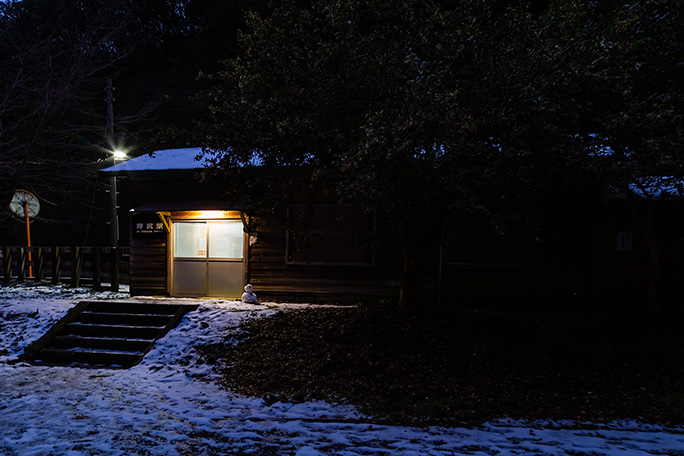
(212, 214)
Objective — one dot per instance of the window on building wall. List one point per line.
(329, 234)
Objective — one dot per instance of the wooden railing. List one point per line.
(73, 265)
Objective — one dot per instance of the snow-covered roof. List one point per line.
(161, 160)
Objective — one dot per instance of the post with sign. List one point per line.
(25, 205)
(28, 237)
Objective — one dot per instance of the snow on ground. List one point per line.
(170, 404)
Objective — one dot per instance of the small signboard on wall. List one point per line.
(624, 241)
(147, 225)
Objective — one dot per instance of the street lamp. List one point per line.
(117, 154)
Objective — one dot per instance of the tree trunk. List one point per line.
(408, 279)
(654, 266)
(653, 274)
(645, 222)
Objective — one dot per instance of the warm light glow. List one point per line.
(120, 155)
(203, 215)
(213, 214)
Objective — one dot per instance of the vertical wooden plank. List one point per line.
(7, 264)
(21, 264)
(39, 262)
(56, 264)
(97, 268)
(114, 266)
(76, 262)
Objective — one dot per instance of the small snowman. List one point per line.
(248, 297)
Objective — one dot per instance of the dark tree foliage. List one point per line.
(175, 40)
(394, 106)
(424, 111)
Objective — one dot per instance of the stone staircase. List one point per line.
(105, 334)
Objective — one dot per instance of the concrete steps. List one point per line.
(105, 334)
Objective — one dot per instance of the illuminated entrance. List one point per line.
(207, 258)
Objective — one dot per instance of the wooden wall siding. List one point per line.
(273, 278)
(578, 255)
(149, 267)
(543, 277)
(334, 234)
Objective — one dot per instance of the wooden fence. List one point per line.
(73, 265)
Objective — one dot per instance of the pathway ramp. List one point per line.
(100, 334)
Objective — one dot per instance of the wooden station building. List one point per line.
(185, 240)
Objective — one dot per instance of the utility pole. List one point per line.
(113, 216)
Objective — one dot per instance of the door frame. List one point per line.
(202, 216)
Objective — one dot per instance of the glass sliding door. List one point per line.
(225, 267)
(208, 258)
(226, 239)
(191, 240)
